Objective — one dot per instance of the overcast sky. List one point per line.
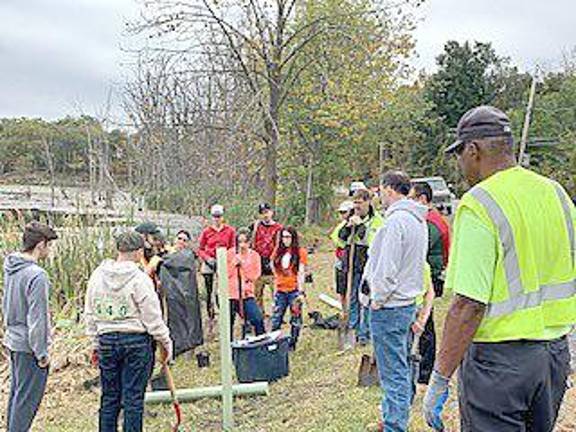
(60, 57)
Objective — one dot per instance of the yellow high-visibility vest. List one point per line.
(534, 284)
(427, 284)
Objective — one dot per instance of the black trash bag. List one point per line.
(319, 322)
(178, 278)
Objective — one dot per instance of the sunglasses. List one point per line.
(460, 149)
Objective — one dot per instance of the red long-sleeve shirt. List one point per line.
(211, 239)
(265, 238)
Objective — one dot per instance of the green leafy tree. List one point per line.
(345, 104)
(466, 77)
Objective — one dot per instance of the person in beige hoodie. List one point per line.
(122, 313)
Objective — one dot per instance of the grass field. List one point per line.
(319, 395)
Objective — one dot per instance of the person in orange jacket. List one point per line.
(243, 270)
(289, 263)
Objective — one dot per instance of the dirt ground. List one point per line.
(319, 395)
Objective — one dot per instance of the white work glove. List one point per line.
(364, 293)
(363, 299)
(43, 362)
(355, 220)
(435, 399)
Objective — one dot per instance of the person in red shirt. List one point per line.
(437, 257)
(216, 235)
(243, 271)
(289, 263)
(265, 238)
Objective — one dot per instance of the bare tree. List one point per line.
(263, 42)
(191, 126)
(49, 156)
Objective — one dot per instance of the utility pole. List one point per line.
(527, 117)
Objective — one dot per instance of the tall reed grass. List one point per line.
(78, 251)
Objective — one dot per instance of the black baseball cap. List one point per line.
(148, 228)
(480, 122)
(262, 207)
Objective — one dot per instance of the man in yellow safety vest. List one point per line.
(512, 269)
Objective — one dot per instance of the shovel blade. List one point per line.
(346, 338)
(368, 372)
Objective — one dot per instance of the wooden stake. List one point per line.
(225, 349)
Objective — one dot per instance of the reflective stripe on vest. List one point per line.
(518, 299)
(569, 222)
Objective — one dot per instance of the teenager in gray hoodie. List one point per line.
(27, 325)
(123, 315)
(394, 274)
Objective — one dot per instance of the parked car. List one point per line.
(443, 198)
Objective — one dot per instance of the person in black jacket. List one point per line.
(363, 222)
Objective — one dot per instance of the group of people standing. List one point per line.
(511, 267)
(265, 256)
(126, 306)
(397, 260)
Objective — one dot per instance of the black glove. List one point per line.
(365, 289)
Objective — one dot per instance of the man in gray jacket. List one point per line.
(27, 325)
(394, 274)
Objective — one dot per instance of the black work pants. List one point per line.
(427, 350)
(513, 386)
(209, 284)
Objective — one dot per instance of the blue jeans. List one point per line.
(390, 338)
(27, 385)
(252, 313)
(283, 300)
(126, 361)
(359, 316)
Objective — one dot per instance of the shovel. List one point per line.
(175, 403)
(346, 336)
(415, 359)
(245, 325)
(368, 371)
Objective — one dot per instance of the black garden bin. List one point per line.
(262, 358)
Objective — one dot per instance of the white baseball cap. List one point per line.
(217, 210)
(345, 206)
(357, 185)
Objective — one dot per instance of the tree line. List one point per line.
(283, 100)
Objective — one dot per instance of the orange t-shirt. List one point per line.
(286, 280)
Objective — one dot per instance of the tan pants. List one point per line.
(259, 291)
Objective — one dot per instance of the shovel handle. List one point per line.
(175, 403)
(349, 276)
(415, 345)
